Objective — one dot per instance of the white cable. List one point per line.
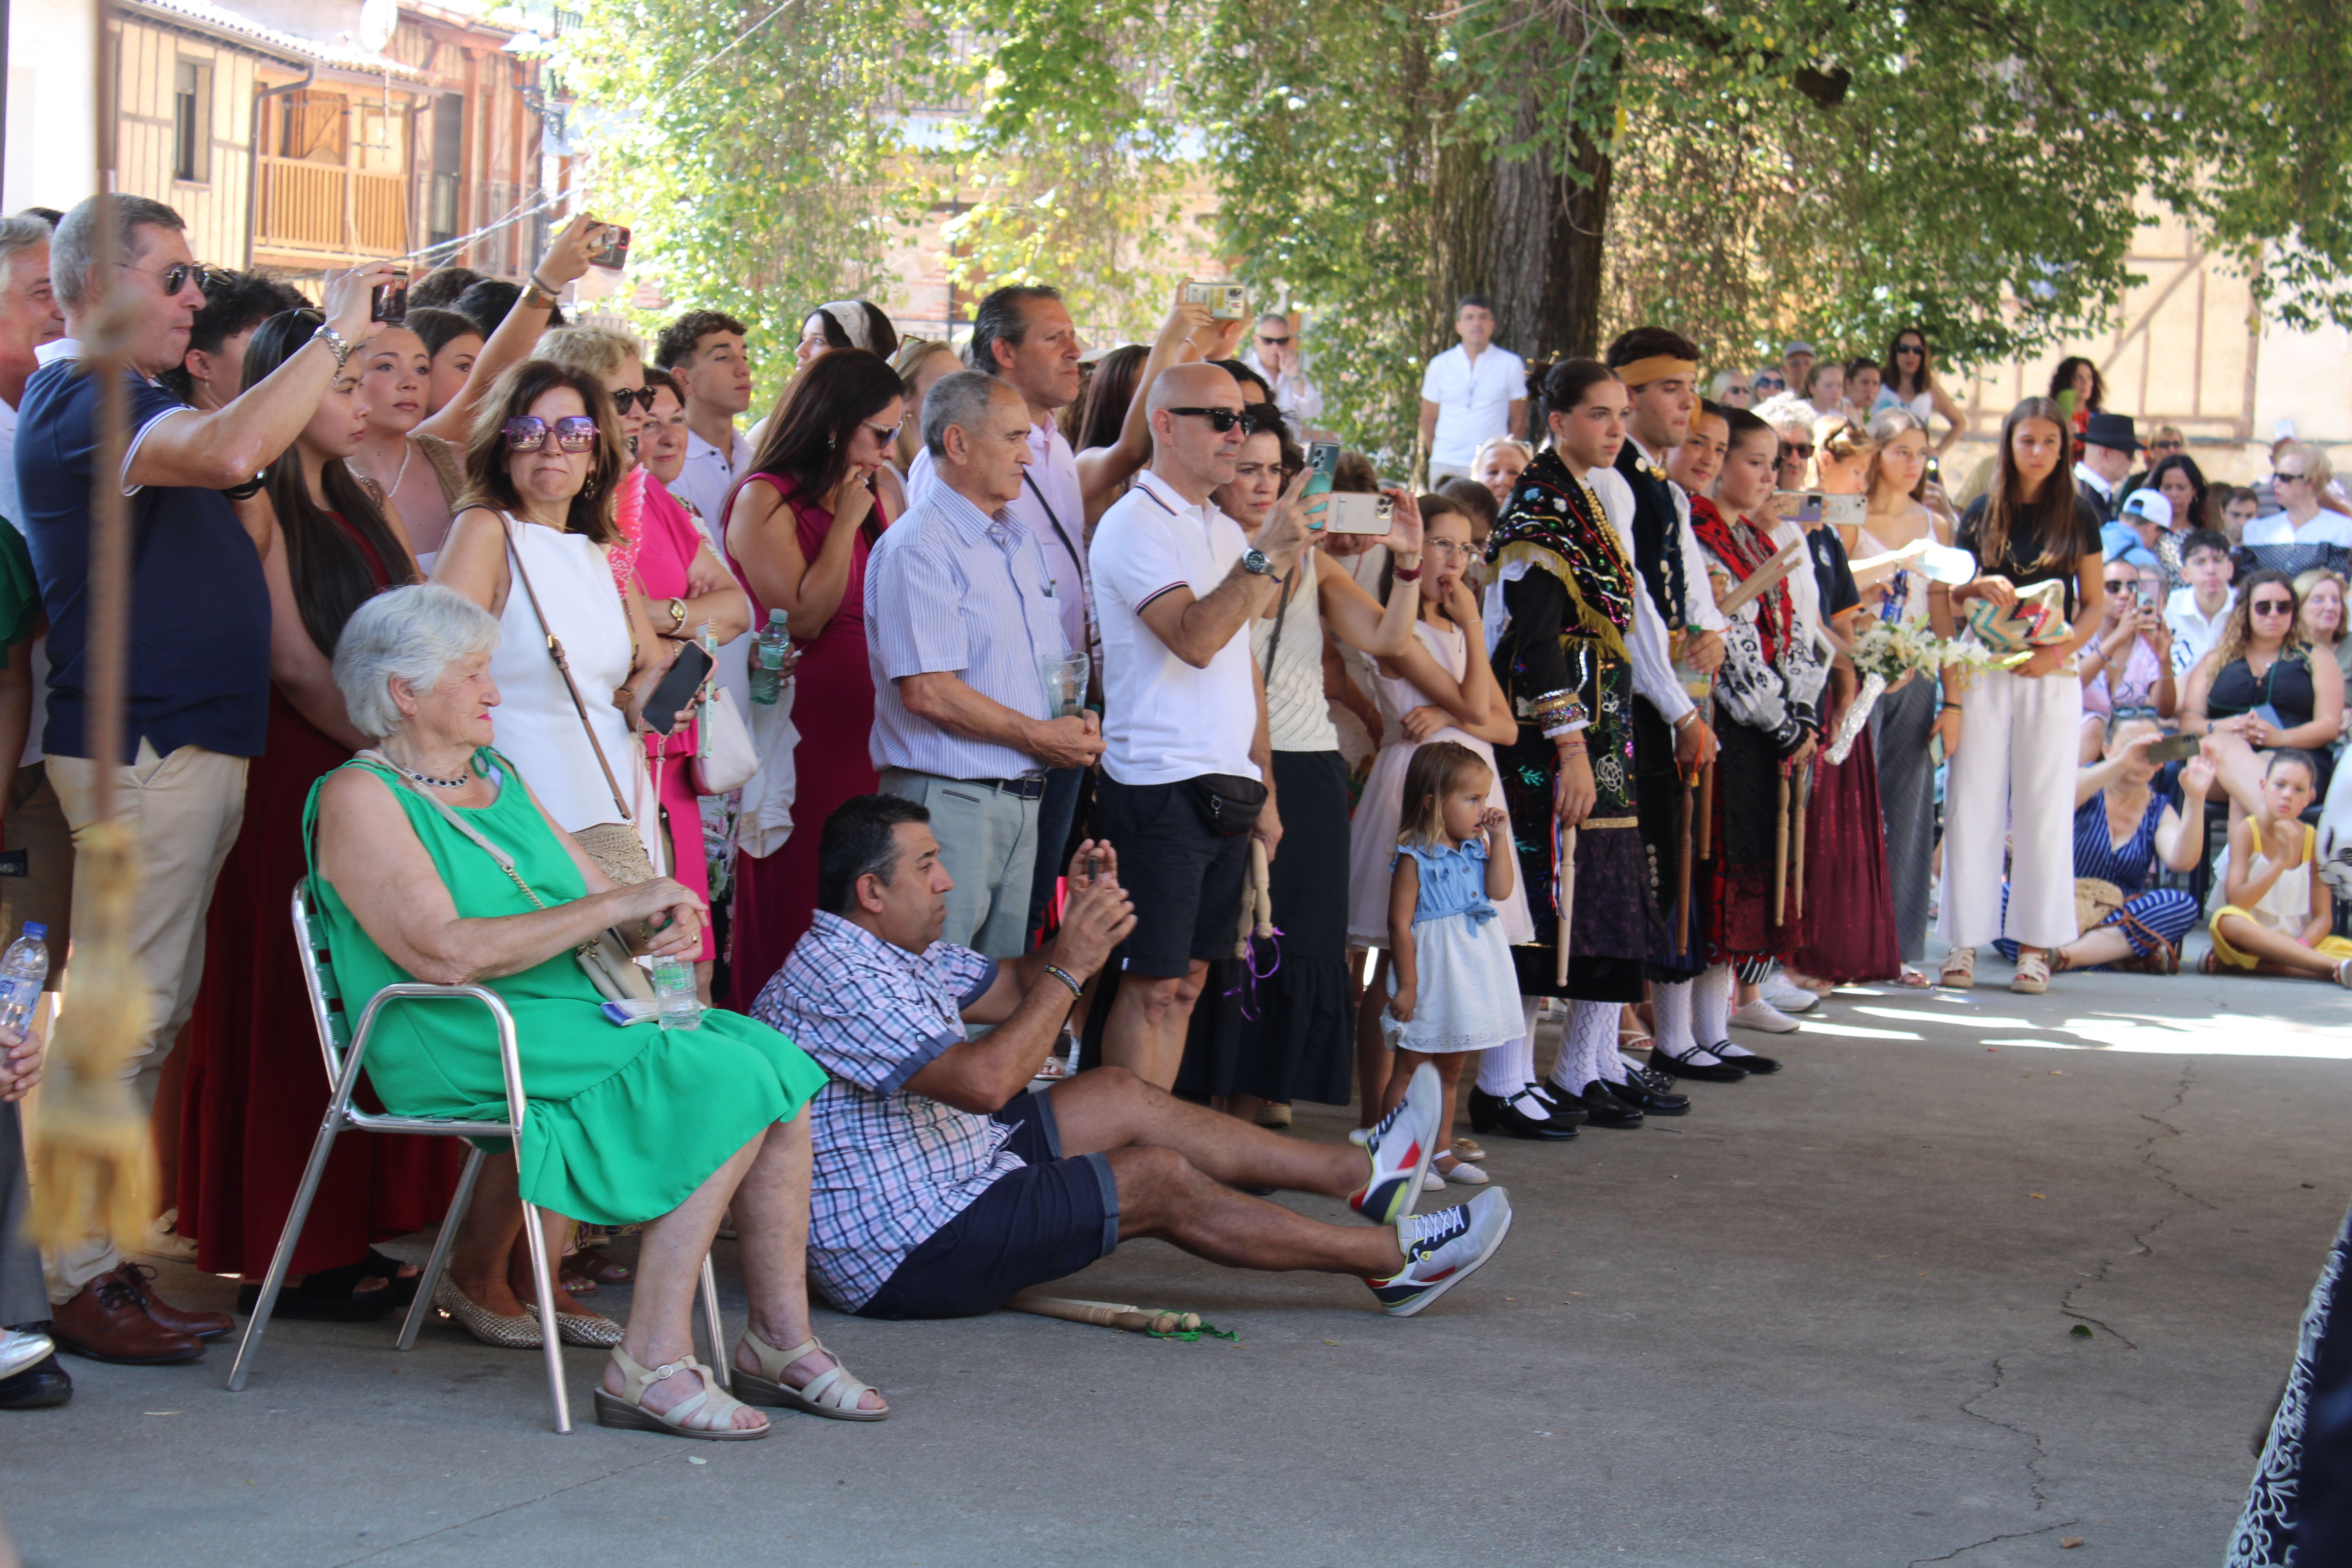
(730, 45)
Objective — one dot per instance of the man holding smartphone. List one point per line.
(959, 618)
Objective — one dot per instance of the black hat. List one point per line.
(2111, 430)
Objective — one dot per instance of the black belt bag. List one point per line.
(1230, 802)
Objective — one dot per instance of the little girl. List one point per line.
(1454, 989)
(2279, 912)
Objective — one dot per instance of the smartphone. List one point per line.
(614, 256)
(1935, 469)
(388, 302)
(1360, 514)
(1811, 508)
(677, 688)
(2172, 749)
(1226, 302)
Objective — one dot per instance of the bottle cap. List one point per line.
(36, 930)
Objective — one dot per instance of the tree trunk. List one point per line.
(1549, 227)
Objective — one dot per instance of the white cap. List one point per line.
(1797, 348)
(2151, 505)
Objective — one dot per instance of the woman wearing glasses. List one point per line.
(2127, 668)
(1911, 385)
(2301, 476)
(2261, 690)
(799, 526)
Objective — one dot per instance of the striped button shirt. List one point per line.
(952, 590)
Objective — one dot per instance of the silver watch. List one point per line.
(341, 347)
(1255, 562)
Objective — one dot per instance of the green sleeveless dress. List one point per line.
(623, 1124)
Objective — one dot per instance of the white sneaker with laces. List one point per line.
(1443, 1249)
(1761, 1015)
(1788, 996)
(1401, 1148)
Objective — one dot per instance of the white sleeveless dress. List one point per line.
(535, 723)
(1372, 843)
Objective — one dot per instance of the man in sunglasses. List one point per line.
(2168, 442)
(1186, 776)
(198, 699)
(1274, 354)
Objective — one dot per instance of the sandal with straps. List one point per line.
(708, 1413)
(1959, 971)
(833, 1393)
(2032, 976)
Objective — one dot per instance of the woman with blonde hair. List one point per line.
(2261, 689)
(919, 362)
(2321, 593)
(1497, 465)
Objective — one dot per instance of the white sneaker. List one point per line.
(1788, 996)
(1761, 1015)
(20, 1348)
(1401, 1148)
(1443, 1249)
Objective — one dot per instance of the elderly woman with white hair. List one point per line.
(431, 859)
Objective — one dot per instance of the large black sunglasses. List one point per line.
(209, 278)
(1224, 419)
(529, 433)
(643, 396)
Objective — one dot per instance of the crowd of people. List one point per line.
(1055, 794)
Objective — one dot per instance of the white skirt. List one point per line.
(1468, 992)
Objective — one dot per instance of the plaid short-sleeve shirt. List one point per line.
(890, 1167)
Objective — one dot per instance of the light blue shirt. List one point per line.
(952, 590)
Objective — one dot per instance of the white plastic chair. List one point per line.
(345, 1051)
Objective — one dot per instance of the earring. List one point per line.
(828, 441)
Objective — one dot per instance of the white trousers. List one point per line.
(2012, 783)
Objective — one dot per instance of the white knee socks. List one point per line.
(1506, 1069)
(1711, 1007)
(1671, 1003)
(1588, 1048)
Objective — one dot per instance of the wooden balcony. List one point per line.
(329, 212)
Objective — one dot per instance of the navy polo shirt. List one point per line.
(199, 607)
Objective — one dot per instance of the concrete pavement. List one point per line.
(1826, 1319)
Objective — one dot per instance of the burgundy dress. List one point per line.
(256, 1085)
(1849, 902)
(833, 709)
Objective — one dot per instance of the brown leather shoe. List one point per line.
(106, 1321)
(197, 1325)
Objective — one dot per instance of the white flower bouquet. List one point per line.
(1884, 653)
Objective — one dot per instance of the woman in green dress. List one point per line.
(624, 1124)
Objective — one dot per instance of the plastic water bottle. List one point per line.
(675, 1002)
(22, 970)
(769, 650)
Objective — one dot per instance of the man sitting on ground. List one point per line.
(945, 1184)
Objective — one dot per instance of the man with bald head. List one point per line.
(1186, 781)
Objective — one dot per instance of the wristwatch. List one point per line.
(536, 293)
(337, 344)
(1255, 562)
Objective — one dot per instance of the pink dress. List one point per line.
(659, 554)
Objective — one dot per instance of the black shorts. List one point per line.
(1186, 880)
(1045, 1221)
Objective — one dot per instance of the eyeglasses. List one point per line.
(2274, 606)
(1273, 343)
(1222, 419)
(1444, 547)
(643, 396)
(529, 433)
(209, 278)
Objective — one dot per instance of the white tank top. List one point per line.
(1297, 716)
(535, 723)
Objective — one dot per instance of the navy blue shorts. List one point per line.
(1045, 1221)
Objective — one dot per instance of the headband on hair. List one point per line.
(1657, 367)
(849, 315)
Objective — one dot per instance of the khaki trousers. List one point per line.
(186, 810)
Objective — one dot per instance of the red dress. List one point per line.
(256, 1085)
(833, 708)
(1849, 902)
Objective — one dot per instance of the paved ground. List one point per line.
(1826, 1319)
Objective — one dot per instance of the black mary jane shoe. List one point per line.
(1664, 1064)
(1492, 1113)
(326, 1296)
(1755, 1066)
(1651, 1102)
(1601, 1103)
(37, 1387)
(1565, 1108)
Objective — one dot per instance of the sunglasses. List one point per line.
(2274, 606)
(2165, 447)
(1273, 343)
(529, 433)
(209, 278)
(1910, 349)
(1795, 449)
(643, 396)
(1770, 384)
(2121, 584)
(1222, 419)
(2285, 478)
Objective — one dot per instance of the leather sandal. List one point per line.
(833, 1393)
(2032, 976)
(1959, 971)
(708, 1413)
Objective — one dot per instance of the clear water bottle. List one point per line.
(22, 970)
(769, 651)
(676, 1005)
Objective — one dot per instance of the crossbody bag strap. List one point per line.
(1059, 531)
(563, 667)
(505, 860)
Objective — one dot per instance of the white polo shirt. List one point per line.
(706, 478)
(1474, 400)
(1163, 721)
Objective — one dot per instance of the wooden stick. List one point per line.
(1787, 559)
(1104, 1315)
(1682, 876)
(1798, 809)
(1705, 810)
(1261, 889)
(1780, 854)
(1564, 895)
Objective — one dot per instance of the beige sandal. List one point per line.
(2032, 976)
(1959, 971)
(709, 1413)
(833, 1393)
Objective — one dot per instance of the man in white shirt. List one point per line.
(958, 621)
(2298, 478)
(1275, 354)
(2195, 612)
(704, 349)
(1471, 393)
(1023, 336)
(1186, 765)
